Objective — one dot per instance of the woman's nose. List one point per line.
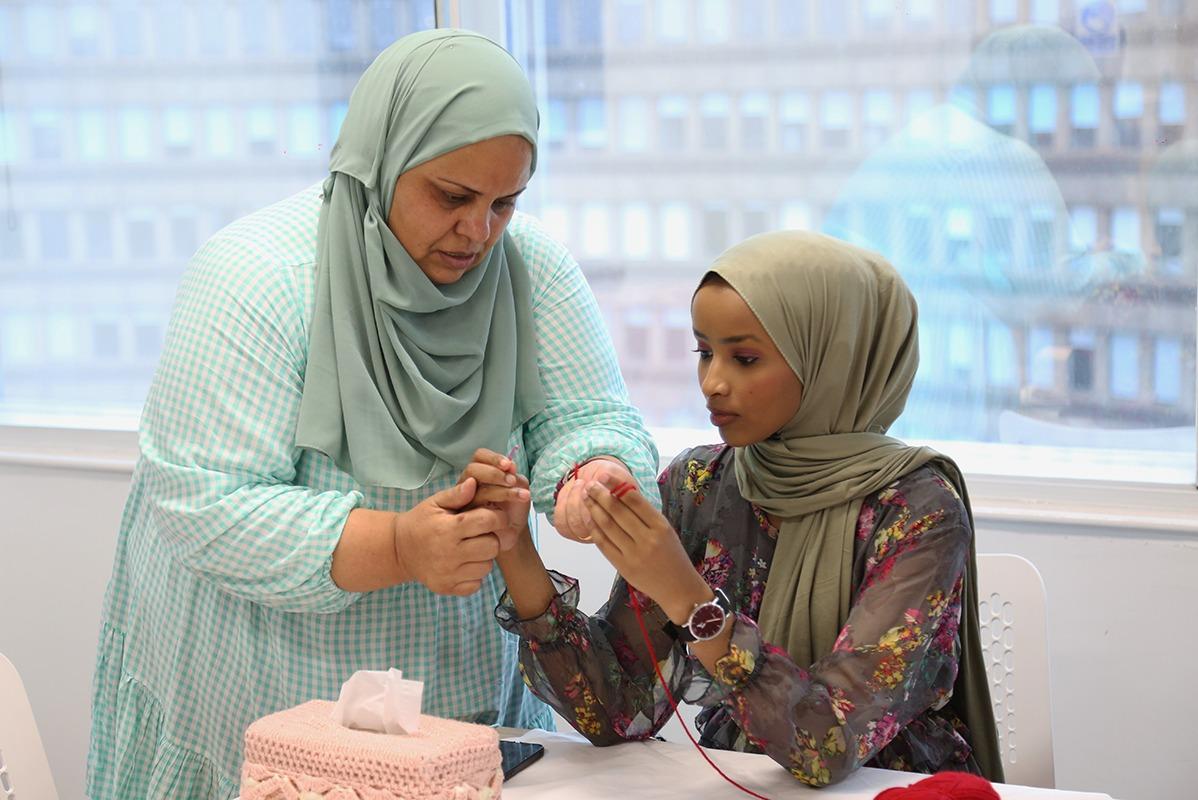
(475, 224)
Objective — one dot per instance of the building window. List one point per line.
(588, 22)
(54, 243)
(630, 21)
(592, 123)
(1042, 114)
(1129, 108)
(106, 340)
(998, 241)
(340, 25)
(754, 122)
(93, 134)
(304, 130)
(254, 27)
(836, 119)
(1166, 372)
(1125, 365)
(556, 219)
(795, 216)
(45, 135)
(97, 225)
(557, 125)
(134, 133)
(1172, 112)
(300, 21)
(260, 130)
(41, 30)
(127, 31)
(1000, 109)
(715, 230)
(671, 20)
(676, 233)
(218, 127)
(1041, 357)
(878, 117)
(714, 23)
(84, 31)
(792, 18)
(1046, 12)
(794, 113)
(920, 125)
(142, 236)
(634, 124)
(754, 220)
(634, 231)
(596, 230)
(958, 239)
(1003, 12)
(834, 17)
(1041, 239)
(1080, 364)
(714, 110)
(1002, 368)
(1170, 225)
(337, 113)
(177, 131)
(1083, 229)
(184, 239)
(1083, 114)
(877, 14)
(753, 19)
(1125, 229)
(671, 122)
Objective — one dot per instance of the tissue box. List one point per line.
(304, 753)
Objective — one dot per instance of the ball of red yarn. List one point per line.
(944, 786)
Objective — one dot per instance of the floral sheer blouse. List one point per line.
(878, 699)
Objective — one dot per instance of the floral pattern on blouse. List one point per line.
(878, 699)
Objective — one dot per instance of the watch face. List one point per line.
(707, 621)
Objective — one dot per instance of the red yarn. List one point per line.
(944, 786)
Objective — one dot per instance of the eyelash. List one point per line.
(744, 361)
(459, 199)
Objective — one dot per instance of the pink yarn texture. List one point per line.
(302, 754)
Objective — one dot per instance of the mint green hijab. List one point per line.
(845, 322)
(405, 378)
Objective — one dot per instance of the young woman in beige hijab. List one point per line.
(812, 581)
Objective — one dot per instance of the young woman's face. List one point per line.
(750, 390)
(450, 211)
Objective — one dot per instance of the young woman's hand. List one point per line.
(640, 543)
(571, 516)
(502, 489)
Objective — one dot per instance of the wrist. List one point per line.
(679, 608)
(403, 574)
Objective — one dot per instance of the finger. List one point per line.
(562, 519)
(466, 588)
(610, 531)
(508, 537)
(500, 494)
(623, 516)
(483, 547)
(457, 496)
(501, 462)
(580, 518)
(488, 474)
(638, 504)
(473, 571)
(480, 520)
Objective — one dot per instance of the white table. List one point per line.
(572, 768)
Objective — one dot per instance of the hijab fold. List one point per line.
(407, 378)
(846, 324)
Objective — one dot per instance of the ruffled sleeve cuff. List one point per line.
(548, 628)
(734, 671)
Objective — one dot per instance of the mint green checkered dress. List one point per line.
(221, 608)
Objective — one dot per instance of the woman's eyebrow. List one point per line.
(471, 190)
(729, 339)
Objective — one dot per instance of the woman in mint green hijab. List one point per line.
(322, 486)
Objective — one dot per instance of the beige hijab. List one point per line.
(846, 324)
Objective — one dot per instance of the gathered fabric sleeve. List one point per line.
(895, 658)
(218, 436)
(587, 412)
(596, 670)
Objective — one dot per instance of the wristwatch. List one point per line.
(707, 620)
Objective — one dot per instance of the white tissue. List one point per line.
(379, 701)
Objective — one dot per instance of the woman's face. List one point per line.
(750, 390)
(448, 212)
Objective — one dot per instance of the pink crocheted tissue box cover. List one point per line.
(303, 754)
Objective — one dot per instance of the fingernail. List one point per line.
(510, 480)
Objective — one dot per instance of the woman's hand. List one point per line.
(639, 542)
(447, 544)
(502, 489)
(571, 515)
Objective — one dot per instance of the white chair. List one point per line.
(24, 770)
(1011, 606)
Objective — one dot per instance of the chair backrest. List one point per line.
(24, 770)
(1011, 605)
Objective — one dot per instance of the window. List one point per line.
(41, 30)
(752, 17)
(715, 230)
(93, 134)
(792, 19)
(754, 122)
(305, 134)
(1000, 109)
(1129, 108)
(1125, 229)
(260, 130)
(1172, 112)
(1080, 362)
(1170, 224)
(1003, 11)
(1125, 365)
(177, 131)
(794, 112)
(557, 125)
(920, 125)
(634, 124)
(556, 219)
(1001, 364)
(675, 225)
(795, 216)
(1041, 357)
(1167, 370)
(592, 124)
(98, 234)
(1046, 12)
(183, 235)
(877, 14)
(635, 233)
(134, 133)
(45, 134)
(1041, 239)
(596, 230)
(1042, 114)
(836, 119)
(630, 21)
(588, 22)
(255, 27)
(340, 25)
(83, 30)
(1084, 115)
(141, 231)
(218, 126)
(55, 244)
(714, 24)
(671, 123)
(834, 17)
(300, 23)
(671, 20)
(879, 116)
(714, 109)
